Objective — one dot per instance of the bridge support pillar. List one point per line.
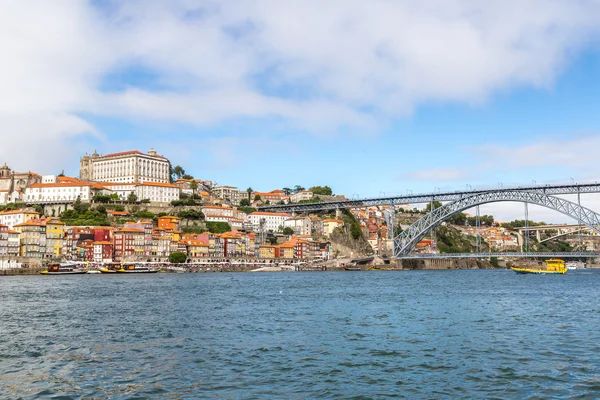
(538, 235)
(338, 212)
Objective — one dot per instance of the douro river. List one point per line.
(407, 334)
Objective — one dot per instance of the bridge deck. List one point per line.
(505, 255)
(428, 197)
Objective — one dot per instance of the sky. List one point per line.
(371, 98)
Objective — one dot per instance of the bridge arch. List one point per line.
(408, 239)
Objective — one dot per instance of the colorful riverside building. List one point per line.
(128, 244)
(55, 233)
(33, 238)
(10, 242)
(3, 240)
(102, 251)
(171, 225)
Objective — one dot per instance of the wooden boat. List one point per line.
(352, 268)
(137, 269)
(64, 269)
(553, 266)
(110, 268)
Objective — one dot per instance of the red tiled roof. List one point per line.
(129, 153)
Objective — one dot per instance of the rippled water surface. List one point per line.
(408, 334)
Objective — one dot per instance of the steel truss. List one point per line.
(429, 197)
(405, 242)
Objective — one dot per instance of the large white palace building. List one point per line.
(126, 167)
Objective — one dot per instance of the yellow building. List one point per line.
(286, 251)
(266, 251)
(55, 234)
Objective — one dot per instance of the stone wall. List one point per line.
(438, 264)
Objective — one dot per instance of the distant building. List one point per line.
(63, 191)
(13, 184)
(15, 217)
(301, 196)
(270, 221)
(230, 194)
(329, 225)
(125, 167)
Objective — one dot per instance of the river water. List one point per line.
(378, 334)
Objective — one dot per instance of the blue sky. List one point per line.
(370, 98)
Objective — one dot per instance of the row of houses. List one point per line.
(43, 239)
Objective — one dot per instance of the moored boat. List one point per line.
(64, 269)
(553, 266)
(137, 269)
(109, 268)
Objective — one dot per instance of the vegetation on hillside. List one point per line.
(349, 218)
(322, 190)
(451, 240)
(83, 215)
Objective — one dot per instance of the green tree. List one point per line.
(187, 176)
(171, 173)
(218, 227)
(244, 202)
(458, 219)
(287, 191)
(101, 198)
(257, 197)
(322, 190)
(298, 188)
(132, 198)
(178, 171)
(144, 214)
(249, 191)
(436, 205)
(288, 231)
(194, 187)
(177, 257)
(190, 214)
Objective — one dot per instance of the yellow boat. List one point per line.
(553, 266)
(135, 268)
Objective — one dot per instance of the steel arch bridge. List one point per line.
(407, 240)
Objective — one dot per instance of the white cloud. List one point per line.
(317, 65)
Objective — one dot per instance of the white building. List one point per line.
(63, 191)
(157, 192)
(301, 196)
(49, 179)
(272, 221)
(329, 225)
(123, 190)
(217, 211)
(16, 217)
(229, 193)
(302, 225)
(126, 167)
